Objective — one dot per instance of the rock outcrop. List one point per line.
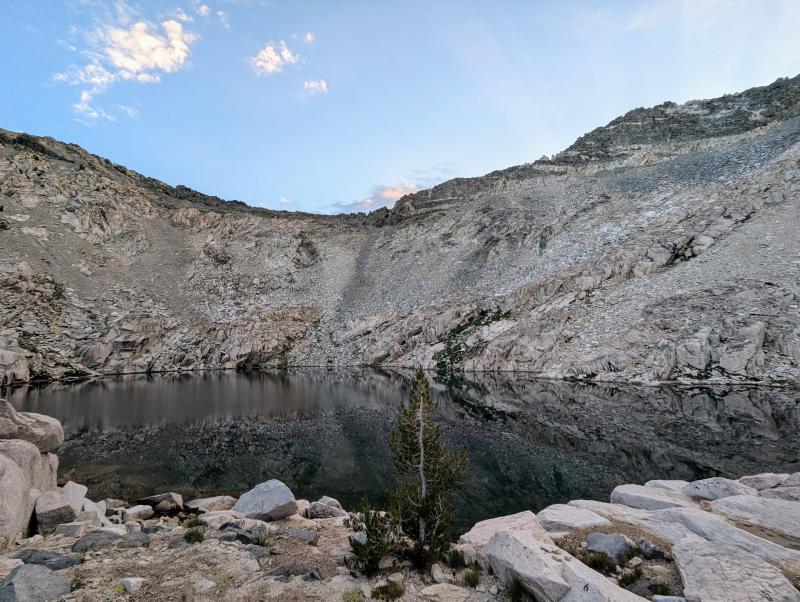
(661, 247)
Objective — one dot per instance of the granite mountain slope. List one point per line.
(662, 247)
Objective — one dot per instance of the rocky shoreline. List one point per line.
(711, 540)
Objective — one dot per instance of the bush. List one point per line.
(390, 591)
(378, 539)
(472, 578)
(194, 535)
(456, 560)
(630, 578)
(353, 596)
(223, 580)
(193, 522)
(600, 563)
(518, 593)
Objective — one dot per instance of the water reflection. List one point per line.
(532, 443)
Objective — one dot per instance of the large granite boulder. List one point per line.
(775, 519)
(52, 509)
(14, 502)
(33, 583)
(563, 518)
(52, 560)
(320, 510)
(720, 572)
(210, 504)
(765, 480)
(271, 500)
(716, 488)
(790, 494)
(522, 522)
(40, 469)
(648, 498)
(44, 432)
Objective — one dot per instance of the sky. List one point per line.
(334, 106)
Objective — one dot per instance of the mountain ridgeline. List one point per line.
(663, 246)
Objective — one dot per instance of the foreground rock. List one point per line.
(778, 519)
(33, 583)
(271, 500)
(44, 432)
(209, 504)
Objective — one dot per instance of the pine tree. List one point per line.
(430, 471)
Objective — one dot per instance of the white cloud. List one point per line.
(308, 37)
(223, 18)
(285, 201)
(126, 48)
(318, 86)
(381, 196)
(203, 10)
(128, 110)
(272, 58)
(181, 15)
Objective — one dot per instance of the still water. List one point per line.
(531, 443)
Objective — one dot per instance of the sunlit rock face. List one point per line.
(661, 247)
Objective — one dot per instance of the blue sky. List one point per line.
(329, 106)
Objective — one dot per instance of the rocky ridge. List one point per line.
(661, 247)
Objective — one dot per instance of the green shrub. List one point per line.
(600, 563)
(380, 534)
(472, 578)
(353, 596)
(659, 589)
(193, 522)
(118, 589)
(456, 560)
(223, 580)
(76, 583)
(390, 591)
(194, 535)
(629, 578)
(517, 593)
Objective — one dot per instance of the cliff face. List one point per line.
(663, 246)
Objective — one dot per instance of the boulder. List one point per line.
(73, 529)
(40, 469)
(441, 574)
(164, 502)
(303, 536)
(210, 504)
(271, 500)
(587, 585)
(132, 584)
(75, 492)
(217, 518)
(720, 572)
(524, 557)
(560, 518)
(52, 509)
(44, 432)
(792, 481)
(716, 488)
(302, 507)
(113, 505)
(33, 583)
(7, 565)
(52, 560)
(765, 480)
(140, 512)
(615, 546)
(648, 498)
(320, 510)
(14, 502)
(790, 494)
(445, 592)
(96, 540)
(329, 501)
(775, 519)
(667, 484)
(483, 531)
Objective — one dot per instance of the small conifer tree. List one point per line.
(430, 471)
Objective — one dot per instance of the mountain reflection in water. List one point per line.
(325, 432)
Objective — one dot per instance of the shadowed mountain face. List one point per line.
(661, 247)
(532, 443)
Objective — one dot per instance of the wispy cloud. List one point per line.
(203, 10)
(272, 58)
(381, 196)
(124, 47)
(315, 86)
(308, 38)
(223, 18)
(699, 14)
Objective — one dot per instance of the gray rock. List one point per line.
(132, 584)
(776, 519)
(716, 488)
(560, 518)
(765, 480)
(329, 501)
(790, 494)
(320, 510)
(793, 480)
(648, 498)
(441, 574)
(76, 492)
(718, 572)
(231, 532)
(209, 504)
(164, 502)
(669, 599)
(39, 469)
(52, 509)
(52, 560)
(650, 550)
(140, 512)
(271, 500)
(74, 529)
(134, 540)
(615, 546)
(96, 540)
(303, 536)
(672, 485)
(44, 432)
(14, 502)
(33, 583)
(483, 531)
